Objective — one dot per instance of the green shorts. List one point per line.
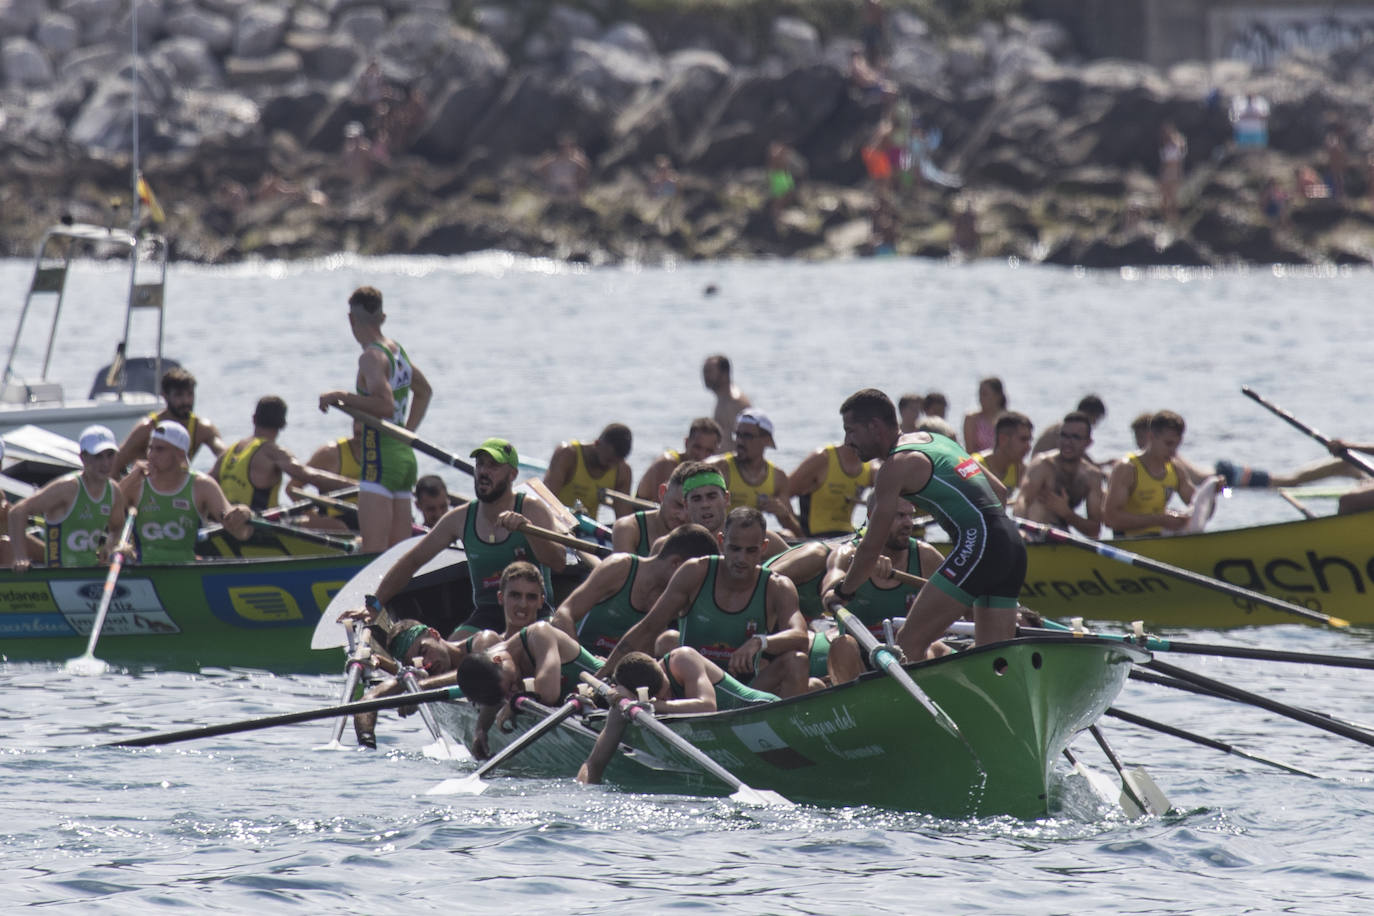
(389, 466)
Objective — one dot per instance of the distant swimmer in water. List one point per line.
(389, 387)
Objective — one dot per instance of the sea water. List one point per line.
(541, 352)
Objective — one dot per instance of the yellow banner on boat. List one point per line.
(145, 194)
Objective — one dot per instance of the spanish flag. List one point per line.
(145, 194)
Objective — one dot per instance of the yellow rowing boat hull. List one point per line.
(1325, 564)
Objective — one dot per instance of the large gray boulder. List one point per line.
(24, 64)
(18, 17)
(97, 18)
(58, 34)
(559, 29)
(471, 74)
(663, 120)
(535, 106)
(795, 40)
(324, 56)
(759, 109)
(503, 24)
(216, 31)
(152, 16)
(92, 62)
(259, 30)
(216, 119)
(187, 62)
(364, 24)
(104, 121)
(631, 37)
(610, 72)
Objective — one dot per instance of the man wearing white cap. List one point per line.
(751, 479)
(174, 501)
(80, 509)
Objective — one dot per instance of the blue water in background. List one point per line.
(540, 352)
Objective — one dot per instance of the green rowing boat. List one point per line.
(253, 613)
(868, 743)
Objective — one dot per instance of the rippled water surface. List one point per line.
(540, 353)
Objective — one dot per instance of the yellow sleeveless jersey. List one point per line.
(830, 509)
(349, 466)
(234, 480)
(582, 485)
(746, 494)
(1150, 495)
(1010, 478)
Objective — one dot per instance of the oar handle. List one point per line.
(409, 438)
(1346, 455)
(572, 705)
(907, 578)
(566, 540)
(116, 564)
(1187, 575)
(610, 497)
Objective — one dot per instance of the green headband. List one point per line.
(405, 639)
(703, 479)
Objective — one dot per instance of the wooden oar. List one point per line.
(1149, 677)
(472, 783)
(907, 578)
(1254, 699)
(609, 497)
(883, 658)
(1134, 559)
(641, 716)
(87, 663)
(566, 540)
(342, 544)
(1296, 504)
(441, 748)
(1139, 794)
(569, 519)
(290, 718)
(1203, 740)
(1359, 461)
(409, 438)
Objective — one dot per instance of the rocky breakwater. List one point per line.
(415, 126)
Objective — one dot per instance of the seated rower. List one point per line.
(1006, 460)
(179, 393)
(685, 681)
(251, 470)
(828, 485)
(1140, 486)
(1061, 480)
(637, 532)
(342, 456)
(488, 529)
(431, 499)
(750, 478)
(83, 512)
(623, 587)
(733, 611)
(879, 597)
(708, 503)
(578, 472)
(703, 440)
(174, 501)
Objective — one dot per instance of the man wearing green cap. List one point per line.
(488, 528)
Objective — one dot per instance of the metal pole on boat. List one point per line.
(359, 656)
(87, 663)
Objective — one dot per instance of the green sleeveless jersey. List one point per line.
(730, 693)
(716, 634)
(75, 539)
(958, 494)
(642, 523)
(872, 604)
(485, 564)
(808, 590)
(399, 375)
(570, 672)
(167, 523)
(609, 620)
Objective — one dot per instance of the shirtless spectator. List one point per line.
(935, 404)
(1173, 148)
(565, 171)
(715, 375)
(1089, 404)
(909, 407)
(1060, 481)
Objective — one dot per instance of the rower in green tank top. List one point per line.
(621, 590)
(636, 533)
(486, 560)
(173, 501)
(80, 510)
(731, 608)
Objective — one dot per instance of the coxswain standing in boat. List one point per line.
(704, 438)
(636, 533)
(683, 681)
(623, 587)
(879, 597)
(750, 478)
(1141, 484)
(578, 472)
(536, 650)
(179, 391)
(733, 611)
(1006, 460)
(83, 511)
(715, 375)
(987, 561)
(390, 388)
(1060, 481)
(488, 529)
(251, 470)
(174, 501)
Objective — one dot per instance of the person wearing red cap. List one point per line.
(174, 501)
(80, 510)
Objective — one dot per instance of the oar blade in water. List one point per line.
(1147, 790)
(443, 748)
(85, 666)
(761, 798)
(472, 784)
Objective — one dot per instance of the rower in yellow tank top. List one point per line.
(570, 476)
(1150, 495)
(829, 509)
(582, 485)
(234, 480)
(1011, 477)
(743, 493)
(349, 466)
